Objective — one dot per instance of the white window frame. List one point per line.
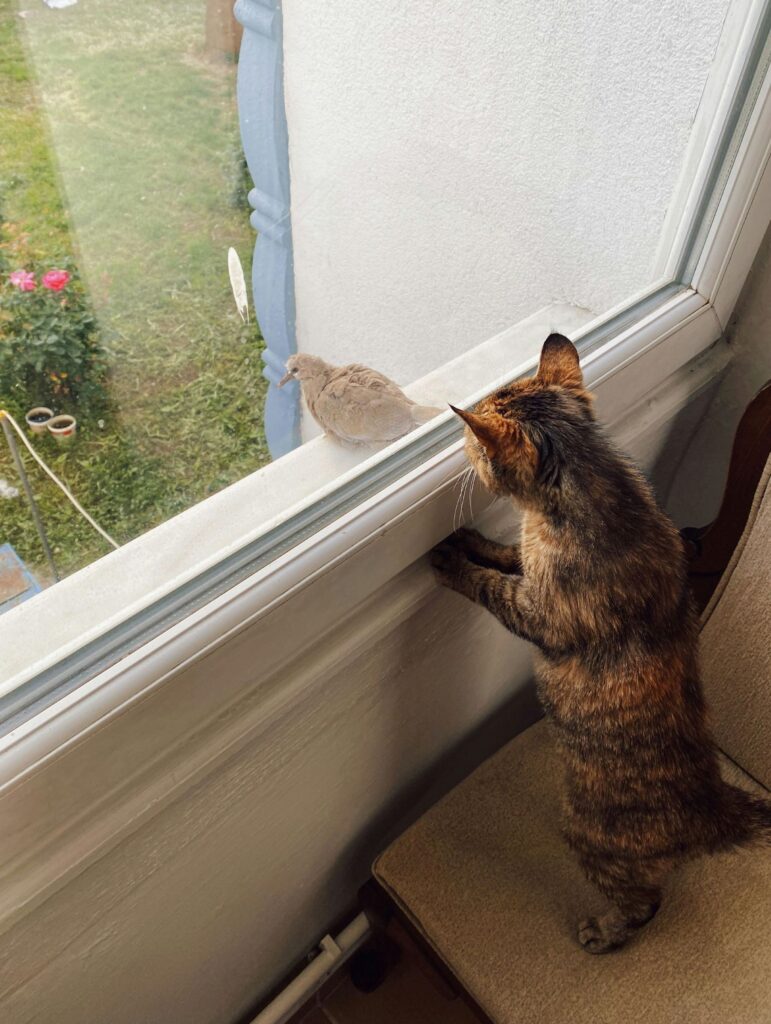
(89, 768)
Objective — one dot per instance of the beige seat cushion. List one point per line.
(736, 645)
(486, 878)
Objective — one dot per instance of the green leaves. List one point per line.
(49, 347)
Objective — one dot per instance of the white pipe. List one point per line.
(332, 954)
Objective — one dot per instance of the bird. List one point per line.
(354, 404)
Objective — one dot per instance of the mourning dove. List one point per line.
(355, 404)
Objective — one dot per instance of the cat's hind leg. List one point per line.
(634, 891)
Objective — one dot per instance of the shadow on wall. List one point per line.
(698, 480)
(673, 456)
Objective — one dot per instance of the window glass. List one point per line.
(122, 186)
(469, 168)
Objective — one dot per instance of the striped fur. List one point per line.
(598, 584)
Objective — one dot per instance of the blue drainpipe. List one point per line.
(264, 136)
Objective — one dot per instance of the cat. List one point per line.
(598, 585)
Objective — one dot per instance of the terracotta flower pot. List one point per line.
(39, 418)
(62, 427)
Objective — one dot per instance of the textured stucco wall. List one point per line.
(456, 166)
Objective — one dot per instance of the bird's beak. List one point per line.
(285, 379)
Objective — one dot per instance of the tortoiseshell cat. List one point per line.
(599, 586)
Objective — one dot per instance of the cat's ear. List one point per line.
(559, 363)
(491, 430)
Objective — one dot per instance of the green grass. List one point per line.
(121, 150)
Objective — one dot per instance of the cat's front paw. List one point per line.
(472, 542)
(450, 563)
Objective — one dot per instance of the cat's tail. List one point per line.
(743, 819)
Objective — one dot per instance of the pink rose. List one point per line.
(24, 280)
(55, 280)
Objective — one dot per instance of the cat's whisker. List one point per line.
(458, 517)
(462, 497)
(464, 484)
(457, 511)
(470, 492)
(458, 497)
(459, 491)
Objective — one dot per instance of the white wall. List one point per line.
(700, 478)
(456, 166)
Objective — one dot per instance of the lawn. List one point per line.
(120, 151)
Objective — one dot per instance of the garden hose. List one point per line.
(4, 414)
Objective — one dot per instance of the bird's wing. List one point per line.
(363, 414)
(366, 377)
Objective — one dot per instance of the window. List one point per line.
(432, 208)
(125, 171)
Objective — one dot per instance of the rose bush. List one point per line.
(49, 350)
